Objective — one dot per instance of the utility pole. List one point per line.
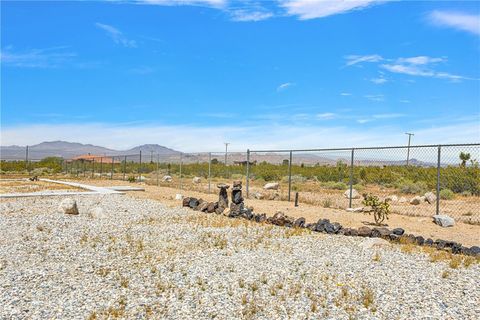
(408, 148)
(226, 151)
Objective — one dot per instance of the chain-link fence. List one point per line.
(417, 180)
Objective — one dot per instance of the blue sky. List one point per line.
(192, 74)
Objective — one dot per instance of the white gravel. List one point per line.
(139, 259)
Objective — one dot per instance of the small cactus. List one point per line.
(380, 209)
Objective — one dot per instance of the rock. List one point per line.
(97, 213)
(311, 226)
(371, 243)
(430, 197)
(322, 225)
(178, 196)
(419, 240)
(443, 220)
(236, 209)
(271, 186)
(68, 206)
(392, 198)
(355, 194)
(402, 200)
(197, 180)
(211, 207)
(359, 209)
(237, 184)
(258, 195)
(203, 206)
(380, 232)
(167, 179)
(440, 244)
(416, 200)
(394, 237)
(398, 231)
(364, 231)
(185, 202)
(428, 242)
(337, 227)
(273, 196)
(280, 219)
(222, 195)
(354, 232)
(141, 178)
(299, 223)
(219, 210)
(474, 251)
(193, 203)
(260, 217)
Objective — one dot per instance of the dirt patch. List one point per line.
(466, 234)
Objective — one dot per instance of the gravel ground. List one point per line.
(141, 259)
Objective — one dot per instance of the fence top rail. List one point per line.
(372, 148)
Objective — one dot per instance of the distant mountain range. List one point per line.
(69, 150)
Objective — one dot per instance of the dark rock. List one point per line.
(311, 226)
(398, 231)
(261, 217)
(280, 219)
(364, 231)
(299, 223)
(222, 195)
(288, 225)
(186, 202)
(394, 237)
(212, 206)
(354, 232)
(197, 207)
(322, 225)
(342, 231)
(203, 206)
(236, 209)
(193, 202)
(329, 228)
(440, 244)
(429, 242)
(457, 248)
(380, 233)
(219, 210)
(475, 251)
(247, 214)
(419, 240)
(237, 196)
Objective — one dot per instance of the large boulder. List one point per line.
(167, 178)
(271, 186)
(186, 202)
(416, 200)
(97, 213)
(355, 194)
(443, 220)
(68, 206)
(197, 180)
(364, 231)
(391, 198)
(211, 207)
(299, 223)
(430, 197)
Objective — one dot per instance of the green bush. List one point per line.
(334, 185)
(411, 187)
(447, 194)
(131, 179)
(295, 179)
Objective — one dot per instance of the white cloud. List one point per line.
(457, 20)
(311, 9)
(405, 101)
(198, 138)
(326, 116)
(388, 115)
(375, 97)
(380, 80)
(116, 35)
(285, 86)
(354, 59)
(37, 58)
(248, 15)
(420, 60)
(345, 94)
(414, 70)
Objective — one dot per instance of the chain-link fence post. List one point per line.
(111, 173)
(26, 159)
(351, 178)
(248, 172)
(180, 179)
(83, 163)
(93, 167)
(290, 175)
(209, 171)
(140, 167)
(437, 210)
(101, 167)
(158, 160)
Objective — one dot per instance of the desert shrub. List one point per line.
(358, 187)
(327, 203)
(295, 179)
(235, 176)
(380, 209)
(410, 187)
(131, 179)
(334, 185)
(466, 193)
(447, 194)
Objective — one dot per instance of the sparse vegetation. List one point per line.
(380, 209)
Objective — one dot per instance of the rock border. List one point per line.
(396, 235)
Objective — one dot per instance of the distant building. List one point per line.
(244, 163)
(94, 158)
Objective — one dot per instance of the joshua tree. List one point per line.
(464, 157)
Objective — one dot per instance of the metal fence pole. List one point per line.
(83, 162)
(180, 180)
(93, 167)
(101, 167)
(351, 179)
(140, 167)
(158, 160)
(437, 210)
(124, 167)
(26, 158)
(248, 172)
(290, 175)
(113, 163)
(209, 171)
(76, 168)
